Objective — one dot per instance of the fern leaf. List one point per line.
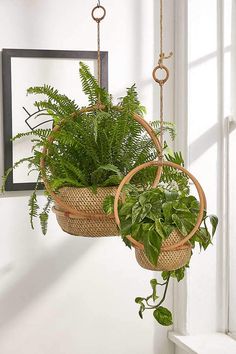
(33, 208)
(7, 173)
(43, 216)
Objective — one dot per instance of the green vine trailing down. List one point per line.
(154, 303)
(94, 149)
(150, 215)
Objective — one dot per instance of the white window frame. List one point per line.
(231, 183)
(220, 341)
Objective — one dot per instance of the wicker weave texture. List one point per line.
(85, 200)
(168, 260)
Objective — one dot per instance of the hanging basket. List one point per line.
(167, 260)
(83, 199)
(78, 210)
(176, 249)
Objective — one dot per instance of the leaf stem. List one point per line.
(163, 297)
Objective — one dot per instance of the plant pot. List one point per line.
(167, 260)
(95, 223)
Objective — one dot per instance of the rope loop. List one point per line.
(97, 18)
(161, 82)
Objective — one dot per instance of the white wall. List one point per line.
(61, 294)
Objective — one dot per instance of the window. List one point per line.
(204, 121)
(231, 111)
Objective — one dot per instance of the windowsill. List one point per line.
(216, 343)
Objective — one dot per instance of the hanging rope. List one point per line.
(98, 20)
(161, 82)
(161, 26)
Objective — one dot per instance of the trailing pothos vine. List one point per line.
(154, 301)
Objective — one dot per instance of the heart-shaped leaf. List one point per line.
(163, 316)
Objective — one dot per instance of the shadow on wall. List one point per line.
(46, 271)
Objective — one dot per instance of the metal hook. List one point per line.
(98, 5)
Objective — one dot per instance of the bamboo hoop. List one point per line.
(68, 210)
(201, 194)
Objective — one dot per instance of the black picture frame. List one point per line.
(7, 55)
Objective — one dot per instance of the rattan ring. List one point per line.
(201, 194)
(67, 208)
(161, 82)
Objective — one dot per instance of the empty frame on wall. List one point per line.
(24, 68)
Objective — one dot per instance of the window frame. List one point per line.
(186, 341)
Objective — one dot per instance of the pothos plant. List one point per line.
(93, 149)
(150, 215)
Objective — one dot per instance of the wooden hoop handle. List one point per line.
(200, 191)
(55, 197)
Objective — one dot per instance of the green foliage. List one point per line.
(43, 216)
(91, 87)
(168, 128)
(56, 105)
(108, 205)
(10, 170)
(161, 314)
(91, 149)
(151, 215)
(97, 149)
(173, 178)
(33, 208)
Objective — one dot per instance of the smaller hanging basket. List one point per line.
(79, 211)
(167, 260)
(176, 249)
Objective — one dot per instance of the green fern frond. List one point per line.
(43, 216)
(175, 157)
(42, 133)
(130, 103)
(33, 208)
(91, 87)
(54, 96)
(63, 182)
(168, 127)
(7, 173)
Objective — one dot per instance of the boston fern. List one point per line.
(91, 149)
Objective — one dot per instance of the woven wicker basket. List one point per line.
(167, 260)
(85, 200)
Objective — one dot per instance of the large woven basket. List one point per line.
(167, 260)
(83, 199)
